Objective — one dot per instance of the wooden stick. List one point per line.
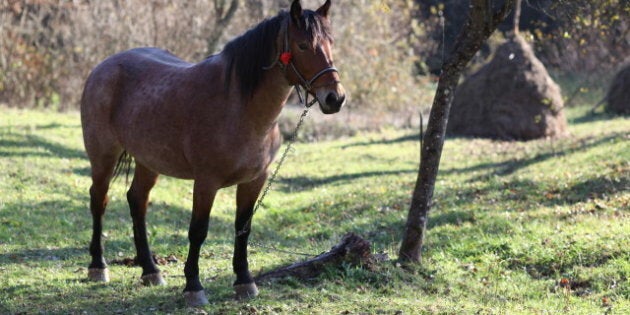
(352, 250)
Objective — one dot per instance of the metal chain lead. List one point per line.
(272, 178)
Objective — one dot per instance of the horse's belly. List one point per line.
(171, 168)
(165, 162)
(244, 174)
(228, 170)
(153, 136)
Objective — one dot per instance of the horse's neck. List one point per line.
(263, 109)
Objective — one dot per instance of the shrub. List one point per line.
(50, 45)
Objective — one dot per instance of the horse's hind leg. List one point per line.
(246, 196)
(102, 172)
(138, 198)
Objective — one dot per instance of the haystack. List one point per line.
(618, 97)
(510, 98)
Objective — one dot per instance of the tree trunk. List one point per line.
(482, 21)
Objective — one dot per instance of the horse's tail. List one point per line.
(123, 165)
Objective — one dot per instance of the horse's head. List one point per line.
(308, 56)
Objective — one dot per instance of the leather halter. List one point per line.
(307, 85)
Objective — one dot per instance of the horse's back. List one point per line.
(134, 64)
(157, 56)
(121, 76)
(146, 63)
(141, 100)
(144, 57)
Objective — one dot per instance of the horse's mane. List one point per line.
(249, 53)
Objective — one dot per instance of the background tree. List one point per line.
(372, 45)
(582, 42)
(224, 12)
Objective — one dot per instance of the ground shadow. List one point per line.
(302, 183)
(42, 254)
(589, 117)
(96, 298)
(597, 187)
(31, 145)
(83, 171)
(509, 167)
(412, 137)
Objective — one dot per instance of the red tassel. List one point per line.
(285, 58)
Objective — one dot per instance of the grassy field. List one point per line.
(539, 227)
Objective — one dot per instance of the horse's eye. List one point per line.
(303, 46)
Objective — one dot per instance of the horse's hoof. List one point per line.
(195, 298)
(246, 290)
(153, 279)
(98, 274)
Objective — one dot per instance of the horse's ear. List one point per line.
(323, 10)
(296, 13)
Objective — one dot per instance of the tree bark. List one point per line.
(482, 21)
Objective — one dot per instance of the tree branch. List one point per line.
(352, 250)
(222, 20)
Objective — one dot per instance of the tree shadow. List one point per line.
(589, 117)
(42, 254)
(34, 144)
(56, 125)
(82, 296)
(509, 167)
(218, 286)
(302, 183)
(597, 187)
(412, 137)
(524, 193)
(83, 171)
(168, 225)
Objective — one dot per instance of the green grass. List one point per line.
(535, 227)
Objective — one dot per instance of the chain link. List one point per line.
(272, 178)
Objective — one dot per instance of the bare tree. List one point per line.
(256, 9)
(482, 21)
(224, 12)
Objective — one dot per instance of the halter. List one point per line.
(285, 59)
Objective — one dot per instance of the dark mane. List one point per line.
(249, 53)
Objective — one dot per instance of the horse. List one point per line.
(213, 122)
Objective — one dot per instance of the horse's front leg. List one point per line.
(203, 197)
(246, 196)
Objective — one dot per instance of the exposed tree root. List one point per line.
(352, 250)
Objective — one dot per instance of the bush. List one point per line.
(50, 46)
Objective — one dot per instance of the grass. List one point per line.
(533, 227)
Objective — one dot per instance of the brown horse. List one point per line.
(214, 122)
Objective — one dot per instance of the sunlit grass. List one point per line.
(532, 227)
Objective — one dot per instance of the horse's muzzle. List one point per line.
(331, 99)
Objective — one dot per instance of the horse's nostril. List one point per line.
(331, 99)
